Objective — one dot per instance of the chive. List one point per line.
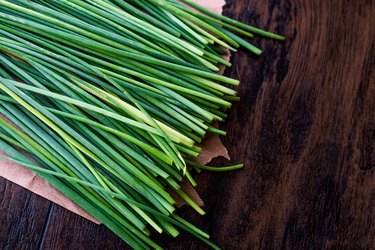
(108, 98)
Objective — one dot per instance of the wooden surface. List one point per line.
(305, 129)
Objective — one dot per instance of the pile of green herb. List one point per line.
(111, 98)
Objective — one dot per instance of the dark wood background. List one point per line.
(305, 129)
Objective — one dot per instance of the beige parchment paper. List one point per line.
(212, 148)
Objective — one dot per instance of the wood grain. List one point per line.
(70, 231)
(305, 128)
(22, 217)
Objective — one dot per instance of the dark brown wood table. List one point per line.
(305, 128)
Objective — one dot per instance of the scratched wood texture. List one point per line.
(305, 128)
(22, 217)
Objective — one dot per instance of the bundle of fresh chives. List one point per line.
(111, 96)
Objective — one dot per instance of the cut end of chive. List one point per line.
(280, 38)
(217, 131)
